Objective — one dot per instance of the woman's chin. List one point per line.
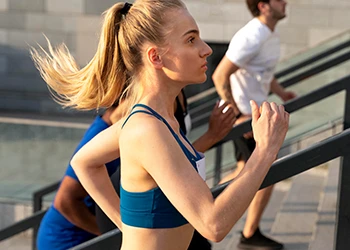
(202, 80)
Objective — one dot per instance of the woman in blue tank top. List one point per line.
(154, 47)
(71, 219)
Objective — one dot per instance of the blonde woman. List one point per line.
(154, 47)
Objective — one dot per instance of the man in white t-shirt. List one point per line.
(246, 73)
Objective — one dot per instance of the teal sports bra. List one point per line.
(152, 209)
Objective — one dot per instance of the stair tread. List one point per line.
(323, 238)
(295, 221)
(231, 240)
(19, 242)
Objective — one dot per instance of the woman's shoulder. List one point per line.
(140, 127)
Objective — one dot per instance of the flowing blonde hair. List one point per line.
(117, 64)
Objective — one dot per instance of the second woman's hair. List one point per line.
(118, 61)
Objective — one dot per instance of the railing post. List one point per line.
(347, 109)
(37, 203)
(37, 206)
(342, 230)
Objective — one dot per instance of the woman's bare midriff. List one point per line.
(157, 239)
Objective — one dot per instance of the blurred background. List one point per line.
(38, 137)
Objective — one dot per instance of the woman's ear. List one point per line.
(154, 58)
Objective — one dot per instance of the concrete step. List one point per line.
(25, 83)
(20, 242)
(294, 223)
(232, 239)
(323, 236)
(11, 213)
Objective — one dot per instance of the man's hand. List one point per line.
(270, 125)
(288, 95)
(221, 120)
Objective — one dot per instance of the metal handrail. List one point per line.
(317, 69)
(22, 225)
(303, 160)
(291, 106)
(294, 105)
(293, 164)
(111, 240)
(37, 206)
(39, 194)
(312, 59)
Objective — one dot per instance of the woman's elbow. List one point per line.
(215, 232)
(74, 162)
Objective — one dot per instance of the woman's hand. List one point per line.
(270, 125)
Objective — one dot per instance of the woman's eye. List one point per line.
(191, 40)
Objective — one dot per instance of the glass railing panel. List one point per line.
(323, 113)
(308, 53)
(33, 156)
(335, 55)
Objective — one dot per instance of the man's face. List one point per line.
(277, 9)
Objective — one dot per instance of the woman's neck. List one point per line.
(161, 95)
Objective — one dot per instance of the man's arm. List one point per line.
(221, 79)
(280, 91)
(69, 202)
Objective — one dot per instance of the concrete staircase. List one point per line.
(301, 212)
(22, 90)
(19, 242)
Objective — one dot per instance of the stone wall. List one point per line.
(77, 23)
(308, 22)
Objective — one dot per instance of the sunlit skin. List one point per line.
(183, 60)
(186, 53)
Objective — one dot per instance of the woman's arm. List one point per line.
(88, 164)
(160, 155)
(69, 201)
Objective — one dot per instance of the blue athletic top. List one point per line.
(55, 231)
(152, 209)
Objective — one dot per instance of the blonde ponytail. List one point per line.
(98, 84)
(117, 64)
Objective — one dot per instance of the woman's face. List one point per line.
(185, 56)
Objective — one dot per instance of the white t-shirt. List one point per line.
(255, 49)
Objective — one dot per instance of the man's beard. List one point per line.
(278, 16)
